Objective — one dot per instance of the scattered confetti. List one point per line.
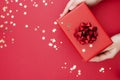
(73, 68)
(54, 30)
(43, 38)
(20, 4)
(12, 16)
(46, 4)
(14, 24)
(25, 6)
(78, 73)
(83, 50)
(52, 2)
(90, 45)
(43, 31)
(53, 40)
(102, 70)
(61, 42)
(25, 13)
(55, 23)
(110, 68)
(50, 44)
(26, 26)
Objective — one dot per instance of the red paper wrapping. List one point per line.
(86, 45)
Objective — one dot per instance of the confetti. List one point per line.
(4, 8)
(16, 0)
(1, 26)
(52, 2)
(43, 1)
(90, 45)
(53, 40)
(20, 4)
(54, 46)
(10, 11)
(54, 30)
(43, 38)
(55, 23)
(12, 16)
(26, 26)
(25, 6)
(61, 42)
(43, 31)
(83, 50)
(7, 14)
(50, 44)
(102, 70)
(46, 4)
(61, 22)
(110, 68)
(25, 13)
(14, 24)
(78, 73)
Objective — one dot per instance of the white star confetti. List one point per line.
(14, 24)
(79, 73)
(110, 68)
(2, 16)
(20, 4)
(53, 40)
(43, 1)
(12, 16)
(1, 26)
(10, 11)
(54, 46)
(25, 13)
(102, 70)
(4, 8)
(55, 23)
(25, 6)
(50, 44)
(16, 0)
(90, 45)
(73, 67)
(43, 31)
(43, 38)
(61, 22)
(52, 2)
(61, 42)
(83, 50)
(46, 4)
(54, 30)
(7, 14)
(26, 26)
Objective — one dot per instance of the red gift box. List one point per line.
(84, 31)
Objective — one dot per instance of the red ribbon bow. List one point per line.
(86, 33)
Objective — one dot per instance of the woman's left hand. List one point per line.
(74, 3)
(109, 52)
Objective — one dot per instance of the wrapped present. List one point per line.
(84, 31)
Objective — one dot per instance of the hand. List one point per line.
(109, 52)
(73, 3)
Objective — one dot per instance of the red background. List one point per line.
(30, 57)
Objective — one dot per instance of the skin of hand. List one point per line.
(74, 3)
(110, 51)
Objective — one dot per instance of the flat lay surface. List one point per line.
(33, 47)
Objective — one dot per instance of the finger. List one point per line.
(95, 59)
(67, 8)
(76, 3)
(108, 55)
(99, 58)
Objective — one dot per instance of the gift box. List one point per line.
(84, 32)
